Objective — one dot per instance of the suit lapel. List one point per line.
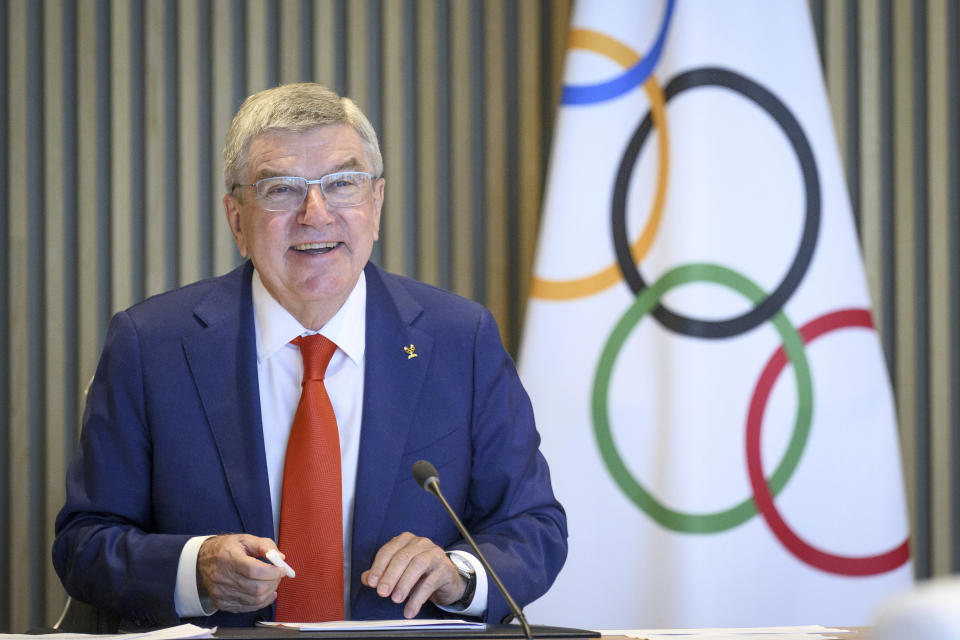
(392, 384)
(222, 359)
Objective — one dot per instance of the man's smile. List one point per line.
(315, 248)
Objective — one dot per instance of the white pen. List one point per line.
(274, 556)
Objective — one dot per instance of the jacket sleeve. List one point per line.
(511, 510)
(102, 550)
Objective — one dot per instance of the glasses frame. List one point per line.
(307, 183)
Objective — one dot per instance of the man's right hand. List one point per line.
(231, 576)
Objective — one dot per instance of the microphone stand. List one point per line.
(432, 484)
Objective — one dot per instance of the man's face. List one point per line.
(310, 281)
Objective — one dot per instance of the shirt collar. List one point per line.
(275, 326)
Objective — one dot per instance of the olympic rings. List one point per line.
(833, 563)
(765, 309)
(647, 300)
(605, 278)
(639, 70)
(635, 75)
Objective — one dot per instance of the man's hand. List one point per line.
(414, 569)
(232, 577)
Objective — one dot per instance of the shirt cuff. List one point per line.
(186, 597)
(477, 606)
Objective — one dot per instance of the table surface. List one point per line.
(492, 632)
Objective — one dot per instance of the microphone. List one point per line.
(426, 476)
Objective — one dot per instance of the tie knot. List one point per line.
(316, 351)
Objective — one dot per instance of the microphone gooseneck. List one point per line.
(426, 476)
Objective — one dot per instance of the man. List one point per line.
(193, 461)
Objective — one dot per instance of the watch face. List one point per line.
(462, 565)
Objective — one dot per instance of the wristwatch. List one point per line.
(465, 569)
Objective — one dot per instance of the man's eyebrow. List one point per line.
(350, 164)
(267, 173)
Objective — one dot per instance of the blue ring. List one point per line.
(632, 77)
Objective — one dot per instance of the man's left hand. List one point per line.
(414, 569)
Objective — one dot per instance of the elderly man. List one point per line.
(282, 406)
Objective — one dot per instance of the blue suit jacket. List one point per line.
(172, 447)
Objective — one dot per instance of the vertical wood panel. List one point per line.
(835, 68)
(903, 177)
(155, 223)
(304, 25)
(188, 159)
(256, 46)
(393, 143)
(324, 42)
(19, 453)
(89, 333)
(224, 62)
(105, 165)
(205, 142)
(53, 254)
(406, 170)
(289, 42)
(871, 231)
(6, 587)
(512, 214)
(495, 149)
(69, 215)
(169, 177)
(128, 150)
(461, 121)
(852, 110)
(531, 90)
(478, 76)
(426, 156)
(953, 282)
(35, 313)
(441, 54)
(939, 334)
(356, 53)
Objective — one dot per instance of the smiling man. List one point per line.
(282, 405)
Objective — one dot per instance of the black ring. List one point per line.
(711, 76)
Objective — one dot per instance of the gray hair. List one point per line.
(293, 108)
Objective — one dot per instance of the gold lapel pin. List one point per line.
(411, 352)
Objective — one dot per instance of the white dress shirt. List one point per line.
(280, 375)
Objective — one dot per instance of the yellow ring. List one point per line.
(580, 287)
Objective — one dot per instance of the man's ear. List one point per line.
(378, 191)
(232, 209)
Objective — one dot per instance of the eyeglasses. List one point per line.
(286, 193)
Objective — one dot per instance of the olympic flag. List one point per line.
(698, 344)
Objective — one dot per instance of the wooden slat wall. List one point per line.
(894, 87)
(112, 115)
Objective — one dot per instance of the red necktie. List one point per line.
(311, 515)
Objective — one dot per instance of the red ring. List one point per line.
(832, 563)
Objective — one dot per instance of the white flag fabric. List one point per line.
(698, 345)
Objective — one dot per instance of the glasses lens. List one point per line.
(281, 194)
(347, 188)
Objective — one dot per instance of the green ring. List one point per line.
(644, 303)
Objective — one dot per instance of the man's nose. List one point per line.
(315, 211)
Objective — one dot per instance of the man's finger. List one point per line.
(383, 558)
(233, 577)
(399, 564)
(424, 589)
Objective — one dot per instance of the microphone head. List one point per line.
(424, 472)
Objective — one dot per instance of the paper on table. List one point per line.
(375, 625)
(180, 632)
(809, 632)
